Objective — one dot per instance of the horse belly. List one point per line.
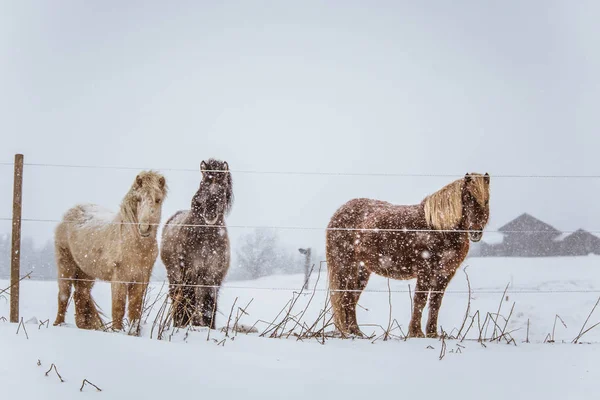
(394, 269)
(392, 255)
(93, 258)
(96, 267)
(212, 265)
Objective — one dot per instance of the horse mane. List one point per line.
(443, 209)
(145, 180)
(221, 167)
(479, 189)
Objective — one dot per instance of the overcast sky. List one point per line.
(509, 87)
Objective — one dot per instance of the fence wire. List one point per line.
(323, 173)
(307, 173)
(312, 228)
(226, 286)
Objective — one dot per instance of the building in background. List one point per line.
(527, 236)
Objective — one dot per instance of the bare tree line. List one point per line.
(259, 253)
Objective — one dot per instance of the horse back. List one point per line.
(90, 221)
(91, 237)
(363, 213)
(344, 227)
(172, 234)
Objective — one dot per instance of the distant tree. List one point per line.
(260, 254)
(45, 264)
(40, 262)
(4, 256)
(256, 255)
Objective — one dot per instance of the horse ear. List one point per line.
(161, 182)
(202, 166)
(467, 177)
(486, 178)
(138, 180)
(225, 166)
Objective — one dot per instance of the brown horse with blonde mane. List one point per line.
(94, 243)
(426, 241)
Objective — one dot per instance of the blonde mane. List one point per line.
(443, 209)
(145, 181)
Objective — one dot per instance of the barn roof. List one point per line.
(528, 223)
(581, 235)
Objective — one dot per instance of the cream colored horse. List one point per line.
(93, 243)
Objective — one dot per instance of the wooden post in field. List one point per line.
(15, 255)
(306, 253)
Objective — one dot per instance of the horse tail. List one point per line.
(339, 259)
(87, 312)
(337, 263)
(347, 278)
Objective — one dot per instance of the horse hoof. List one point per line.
(416, 334)
(351, 334)
(356, 334)
(432, 335)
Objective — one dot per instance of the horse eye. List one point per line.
(157, 201)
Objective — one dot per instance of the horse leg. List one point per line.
(181, 297)
(419, 301)
(361, 283)
(209, 307)
(346, 286)
(86, 313)
(119, 299)
(206, 302)
(64, 293)
(66, 269)
(337, 301)
(186, 306)
(176, 294)
(435, 302)
(135, 293)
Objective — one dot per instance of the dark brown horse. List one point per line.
(195, 248)
(426, 241)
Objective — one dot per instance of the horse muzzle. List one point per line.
(211, 221)
(475, 236)
(145, 230)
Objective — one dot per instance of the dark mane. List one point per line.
(221, 170)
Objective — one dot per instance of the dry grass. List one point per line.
(52, 366)
(582, 331)
(290, 321)
(86, 382)
(7, 289)
(21, 324)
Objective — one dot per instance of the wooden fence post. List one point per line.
(306, 253)
(15, 258)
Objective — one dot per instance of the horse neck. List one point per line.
(128, 230)
(198, 225)
(462, 224)
(194, 217)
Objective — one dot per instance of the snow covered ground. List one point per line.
(186, 363)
